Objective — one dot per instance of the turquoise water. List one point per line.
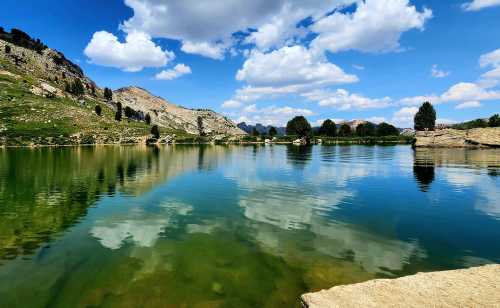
(235, 226)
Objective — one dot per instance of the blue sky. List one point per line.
(266, 61)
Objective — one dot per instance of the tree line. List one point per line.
(300, 127)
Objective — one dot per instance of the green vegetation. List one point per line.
(365, 130)
(272, 131)
(98, 110)
(494, 121)
(385, 129)
(298, 126)
(118, 113)
(328, 128)
(147, 119)
(7, 49)
(345, 130)
(425, 118)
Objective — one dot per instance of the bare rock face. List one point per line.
(472, 138)
(168, 115)
(473, 287)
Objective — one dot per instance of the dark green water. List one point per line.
(237, 226)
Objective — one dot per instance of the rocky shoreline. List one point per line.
(454, 138)
(472, 287)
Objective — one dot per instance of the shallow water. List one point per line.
(235, 226)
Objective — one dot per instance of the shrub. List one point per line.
(129, 112)
(98, 110)
(108, 94)
(494, 121)
(328, 128)
(385, 129)
(7, 49)
(77, 87)
(345, 130)
(298, 126)
(155, 131)
(425, 118)
(147, 119)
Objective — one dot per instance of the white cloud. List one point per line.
(178, 71)
(404, 117)
(229, 104)
(376, 120)
(477, 5)
(445, 121)
(490, 59)
(469, 104)
(419, 100)
(210, 22)
(294, 65)
(358, 67)
(375, 26)
(209, 50)
(467, 91)
(343, 100)
(137, 52)
(437, 73)
(271, 115)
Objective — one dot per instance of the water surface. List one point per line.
(235, 226)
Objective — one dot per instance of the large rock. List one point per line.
(472, 138)
(172, 116)
(473, 287)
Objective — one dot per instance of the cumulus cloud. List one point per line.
(295, 65)
(437, 73)
(138, 51)
(404, 116)
(419, 99)
(343, 100)
(231, 104)
(209, 50)
(477, 5)
(467, 91)
(209, 22)
(178, 71)
(375, 26)
(469, 104)
(271, 115)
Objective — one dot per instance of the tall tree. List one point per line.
(345, 130)
(118, 114)
(385, 129)
(365, 130)
(494, 121)
(328, 128)
(108, 94)
(298, 126)
(155, 131)
(272, 131)
(147, 119)
(425, 118)
(201, 130)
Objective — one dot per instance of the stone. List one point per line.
(472, 138)
(473, 287)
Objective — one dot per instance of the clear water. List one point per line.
(235, 226)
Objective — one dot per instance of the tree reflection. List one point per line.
(423, 170)
(298, 156)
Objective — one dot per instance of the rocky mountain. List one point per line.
(47, 74)
(169, 115)
(262, 129)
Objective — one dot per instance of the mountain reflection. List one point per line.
(46, 190)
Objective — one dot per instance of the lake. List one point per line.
(235, 226)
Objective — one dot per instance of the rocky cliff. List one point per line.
(168, 115)
(472, 138)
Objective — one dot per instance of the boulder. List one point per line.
(472, 138)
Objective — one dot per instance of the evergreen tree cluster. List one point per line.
(425, 118)
(298, 126)
(76, 87)
(108, 94)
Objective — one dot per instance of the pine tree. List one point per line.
(147, 119)
(108, 94)
(425, 118)
(155, 131)
(98, 110)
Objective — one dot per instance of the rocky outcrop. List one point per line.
(168, 115)
(472, 138)
(473, 287)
